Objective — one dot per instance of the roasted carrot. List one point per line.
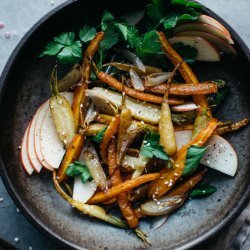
(80, 100)
(111, 81)
(109, 133)
(185, 89)
(122, 142)
(72, 154)
(123, 187)
(115, 176)
(233, 127)
(204, 112)
(169, 176)
(186, 185)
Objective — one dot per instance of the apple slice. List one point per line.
(185, 107)
(37, 144)
(206, 50)
(218, 42)
(36, 164)
(83, 191)
(204, 28)
(24, 153)
(211, 21)
(220, 154)
(52, 148)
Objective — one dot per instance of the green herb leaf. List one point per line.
(194, 5)
(202, 190)
(193, 159)
(154, 11)
(187, 52)
(170, 21)
(148, 44)
(86, 34)
(78, 169)
(65, 48)
(151, 147)
(110, 38)
(129, 33)
(107, 17)
(98, 137)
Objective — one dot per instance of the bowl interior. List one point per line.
(26, 86)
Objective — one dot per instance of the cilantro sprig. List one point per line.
(193, 159)
(152, 148)
(98, 137)
(78, 169)
(65, 48)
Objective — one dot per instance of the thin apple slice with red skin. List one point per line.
(185, 107)
(218, 42)
(52, 148)
(24, 153)
(36, 164)
(211, 21)
(37, 144)
(206, 50)
(204, 28)
(220, 155)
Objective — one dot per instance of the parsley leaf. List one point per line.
(107, 17)
(98, 137)
(148, 44)
(65, 48)
(187, 52)
(202, 190)
(193, 158)
(78, 169)
(86, 34)
(151, 147)
(129, 33)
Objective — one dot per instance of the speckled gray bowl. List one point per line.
(24, 86)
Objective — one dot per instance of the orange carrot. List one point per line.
(109, 133)
(187, 184)
(169, 176)
(72, 154)
(115, 176)
(123, 187)
(111, 81)
(79, 101)
(185, 88)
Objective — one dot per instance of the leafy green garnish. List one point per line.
(180, 10)
(202, 190)
(98, 137)
(64, 47)
(152, 148)
(187, 52)
(86, 34)
(193, 159)
(148, 44)
(107, 17)
(78, 169)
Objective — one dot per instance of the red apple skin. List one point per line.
(218, 42)
(204, 28)
(209, 20)
(24, 154)
(33, 158)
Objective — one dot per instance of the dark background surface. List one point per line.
(19, 16)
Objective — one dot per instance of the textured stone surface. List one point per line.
(20, 15)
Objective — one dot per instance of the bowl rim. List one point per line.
(30, 216)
